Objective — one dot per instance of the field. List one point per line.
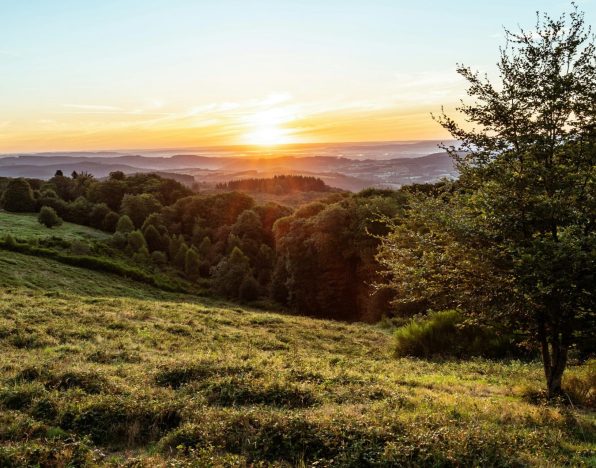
(98, 370)
(25, 226)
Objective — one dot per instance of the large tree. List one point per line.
(515, 244)
(18, 196)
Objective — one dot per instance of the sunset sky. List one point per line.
(123, 74)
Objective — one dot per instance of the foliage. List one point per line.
(139, 207)
(18, 196)
(249, 289)
(125, 225)
(325, 257)
(192, 263)
(515, 242)
(445, 334)
(230, 272)
(48, 217)
(279, 184)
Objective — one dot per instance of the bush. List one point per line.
(119, 422)
(445, 334)
(159, 258)
(580, 386)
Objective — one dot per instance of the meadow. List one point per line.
(25, 226)
(101, 370)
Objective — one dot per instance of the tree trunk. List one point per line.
(558, 364)
(554, 358)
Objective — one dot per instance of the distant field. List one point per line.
(25, 226)
(156, 379)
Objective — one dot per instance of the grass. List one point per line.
(24, 226)
(100, 370)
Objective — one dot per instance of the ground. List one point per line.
(101, 370)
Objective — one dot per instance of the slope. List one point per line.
(101, 370)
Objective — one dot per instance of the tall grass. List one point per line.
(446, 334)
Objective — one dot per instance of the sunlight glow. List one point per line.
(267, 128)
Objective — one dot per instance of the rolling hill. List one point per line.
(352, 167)
(101, 370)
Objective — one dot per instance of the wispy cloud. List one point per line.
(92, 107)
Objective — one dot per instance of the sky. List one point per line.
(124, 74)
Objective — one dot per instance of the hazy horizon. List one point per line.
(424, 147)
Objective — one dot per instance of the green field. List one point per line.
(101, 370)
(24, 226)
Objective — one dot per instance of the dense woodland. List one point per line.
(277, 185)
(317, 260)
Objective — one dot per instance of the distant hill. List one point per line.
(336, 171)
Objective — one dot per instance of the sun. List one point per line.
(269, 128)
(268, 136)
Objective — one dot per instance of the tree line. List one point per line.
(277, 185)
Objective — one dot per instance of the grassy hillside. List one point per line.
(100, 370)
(25, 226)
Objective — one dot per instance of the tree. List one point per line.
(98, 215)
(110, 221)
(18, 196)
(230, 272)
(139, 207)
(48, 217)
(153, 238)
(136, 241)
(180, 258)
(124, 225)
(249, 289)
(192, 263)
(515, 243)
(109, 192)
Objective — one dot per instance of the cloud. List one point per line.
(92, 107)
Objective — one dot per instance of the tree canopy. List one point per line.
(515, 242)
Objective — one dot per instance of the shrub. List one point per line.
(445, 334)
(159, 258)
(79, 247)
(48, 217)
(580, 386)
(117, 422)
